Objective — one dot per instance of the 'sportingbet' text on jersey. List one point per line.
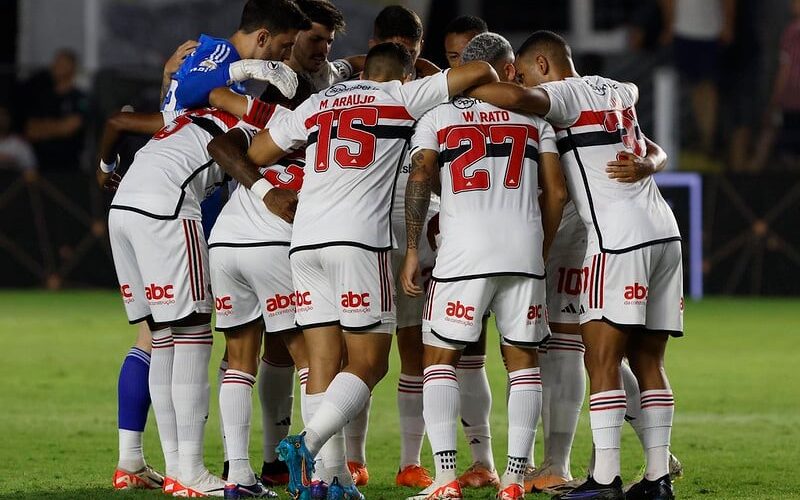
(595, 120)
(356, 134)
(489, 217)
(173, 172)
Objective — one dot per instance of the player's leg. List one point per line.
(276, 395)
(355, 437)
(223, 367)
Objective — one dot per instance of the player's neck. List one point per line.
(241, 43)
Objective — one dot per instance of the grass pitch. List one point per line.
(735, 377)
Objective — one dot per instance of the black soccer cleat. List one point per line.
(660, 489)
(274, 473)
(592, 490)
(225, 468)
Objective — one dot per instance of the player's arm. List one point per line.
(553, 197)
(174, 63)
(471, 74)
(513, 97)
(424, 169)
(228, 100)
(116, 127)
(631, 168)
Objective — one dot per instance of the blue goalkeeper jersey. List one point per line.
(200, 73)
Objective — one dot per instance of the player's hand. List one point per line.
(108, 180)
(274, 72)
(629, 168)
(410, 274)
(282, 202)
(177, 58)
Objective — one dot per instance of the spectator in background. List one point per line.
(698, 30)
(15, 152)
(55, 114)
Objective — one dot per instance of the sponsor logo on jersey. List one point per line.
(303, 302)
(457, 312)
(223, 305)
(340, 87)
(159, 295)
(282, 304)
(353, 302)
(635, 294)
(127, 295)
(535, 313)
(205, 66)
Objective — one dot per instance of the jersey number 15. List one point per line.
(360, 157)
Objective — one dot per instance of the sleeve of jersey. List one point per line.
(547, 138)
(290, 132)
(631, 93)
(168, 116)
(425, 136)
(421, 95)
(210, 71)
(259, 112)
(563, 110)
(248, 130)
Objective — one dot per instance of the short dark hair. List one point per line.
(324, 13)
(277, 16)
(304, 90)
(397, 21)
(466, 24)
(546, 41)
(388, 58)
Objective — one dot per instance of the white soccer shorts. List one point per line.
(454, 310)
(253, 282)
(642, 288)
(409, 309)
(564, 268)
(162, 266)
(345, 285)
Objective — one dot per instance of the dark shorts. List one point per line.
(697, 60)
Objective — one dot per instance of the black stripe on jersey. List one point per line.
(450, 341)
(364, 328)
(571, 143)
(339, 243)
(379, 131)
(522, 343)
(207, 125)
(489, 275)
(241, 325)
(502, 150)
(318, 325)
(139, 320)
(621, 326)
(222, 244)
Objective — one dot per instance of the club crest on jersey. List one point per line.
(463, 102)
(207, 65)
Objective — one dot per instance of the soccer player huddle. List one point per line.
(507, 184)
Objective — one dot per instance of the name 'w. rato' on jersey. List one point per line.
(595, 120)
(489, 218)
(356, 134)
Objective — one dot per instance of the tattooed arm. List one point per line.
(418, 197)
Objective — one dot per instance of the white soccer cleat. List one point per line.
(440, 491)
(206, 485)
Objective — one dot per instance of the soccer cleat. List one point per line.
(445, 491)
(592, 490)
(169, 486)
(359, 472)
(511, 492)
(544, 479)
(338, 492)
(300, 463)
(318, 490)
(675, 467)
(226, 465)
(145, 479)
(479, 476)
(413, 476)
(274, 473)
(207, 485)
(660, 489)
(563, 488)
(256, 490)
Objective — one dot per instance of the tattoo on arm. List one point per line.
(418, 197)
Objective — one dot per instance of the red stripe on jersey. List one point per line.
(385, 112)
(602, 280)
(533, 132)
(259, 114)
(227, 118)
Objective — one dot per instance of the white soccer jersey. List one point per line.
(595, 120)
(489, 217)
(356, 133)
(173, 172)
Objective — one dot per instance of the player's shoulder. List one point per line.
(211, 53)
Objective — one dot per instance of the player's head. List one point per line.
(543, 57)
(269, 29)
(388, 61)
(398, 24)
(494, 49)
(64, 65)
(313, 45)
(457, 35)
(304, 90)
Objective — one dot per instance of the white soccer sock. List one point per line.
(441, 405)
(190, 394)
(312, 403)
(160, 382)
(524, 407)
(355, 435)
(633, 400)
(476, 406)
(344, 398)
(606, 413)
(568, 388)
(334, 460)
(131, 455)
(412, 424)
(302, 375)
(223, 367)
(236, 406)
(276, 394)
(658, 409)
(544, 369)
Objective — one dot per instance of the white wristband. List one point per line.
(261, 187)
(108, 167)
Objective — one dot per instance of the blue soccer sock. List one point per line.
(133, 400)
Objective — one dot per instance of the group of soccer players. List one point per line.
(507, 184)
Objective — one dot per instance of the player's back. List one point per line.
(489, 219)
(595, 120)
(173, 172)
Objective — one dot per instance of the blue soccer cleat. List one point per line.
(338, 492)
(300, 463)
(318, 490)
(256, 490)
(592, 490)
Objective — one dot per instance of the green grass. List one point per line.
(735, 377)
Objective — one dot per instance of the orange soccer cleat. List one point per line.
(359, 472)
(479, 476)
(144, 479)
(442, 491)
(170, 485)
(413, 476)
(511, 492)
